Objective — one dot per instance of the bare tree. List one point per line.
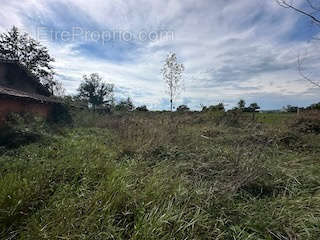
(310, 9)
(58, 89)
(172, 75)
(304, 75)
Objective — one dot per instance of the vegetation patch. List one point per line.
(161, 176)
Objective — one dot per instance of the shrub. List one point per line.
(291, 109)
(183, 108)
(315, 106)
(214, 108)
(20, 129)
(253, 107)
(142, 108)
(307, 122)
(124, 105)
(60, 114)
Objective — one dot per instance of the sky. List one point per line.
(231, 49)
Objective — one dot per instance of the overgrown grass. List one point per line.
(164, 176)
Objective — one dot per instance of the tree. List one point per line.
(304, 75)
(20, 47)
(125, 105)
(311, 10)
(218, 107)
(58, 89)
(241, 104)
(94, 91)
(315, 106)
(172, 75)
(253, 107)
(142, 108)
(214, 108)
(291, 109)
(204, 108)
(183, 108)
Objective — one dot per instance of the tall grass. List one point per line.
(162, 176)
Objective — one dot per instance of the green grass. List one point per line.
(161, 176)
(274, 119)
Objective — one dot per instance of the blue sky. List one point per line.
(231, 49)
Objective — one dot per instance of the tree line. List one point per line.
(93, 91)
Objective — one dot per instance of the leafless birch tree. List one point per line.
(172, 75)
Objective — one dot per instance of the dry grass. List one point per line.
(307, 122)
(163, 176)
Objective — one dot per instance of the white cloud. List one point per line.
(231, 49)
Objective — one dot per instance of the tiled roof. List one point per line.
(31, 96)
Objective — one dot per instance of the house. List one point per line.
(21, 92)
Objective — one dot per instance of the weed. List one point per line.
(163, 176)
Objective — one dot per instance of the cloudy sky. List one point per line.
(231, 49)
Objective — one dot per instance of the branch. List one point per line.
(303, 75)
(285, 4)
(313, 6)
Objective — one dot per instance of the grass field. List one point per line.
(164, 176)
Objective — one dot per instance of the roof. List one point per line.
(35, 80)
(31, 96)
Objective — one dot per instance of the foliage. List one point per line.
(74, 101)
(124, 105)
(315, 106)
(60, 114)
(183, 108)
(241, 104)
(142, 108)
(95, 91)
(291, 109)
(253, 107)
(172, 75)
(203, 108)
(15, 45)
(21, 129)
(214, 108)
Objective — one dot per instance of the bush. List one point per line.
(21, 129)
(214, 108)
(142, 108)
(12, 138)
(315, 106)
(291, 109)
(124, 106)
(60, 114)
(307, 122)
(183, 108)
